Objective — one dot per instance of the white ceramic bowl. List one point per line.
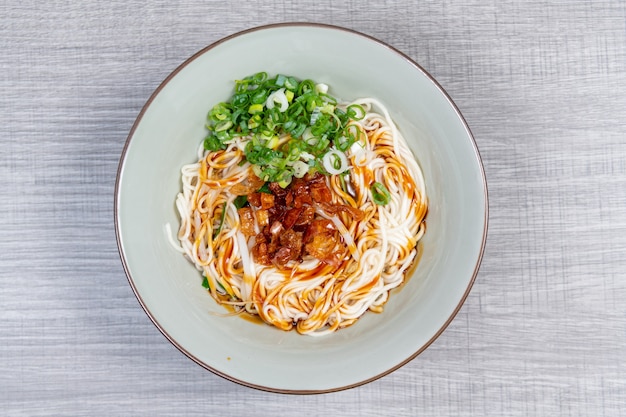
(167, 134)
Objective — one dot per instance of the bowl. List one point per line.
(166, 135)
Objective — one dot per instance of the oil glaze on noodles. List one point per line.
(318, 252)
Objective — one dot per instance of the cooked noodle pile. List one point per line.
(373, 244)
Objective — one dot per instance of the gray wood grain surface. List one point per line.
(542, 85)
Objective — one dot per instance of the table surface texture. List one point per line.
(542, 85)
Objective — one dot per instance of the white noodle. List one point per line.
(382, 247)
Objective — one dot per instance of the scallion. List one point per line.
(355, 111)
(380, 194)
(205, 283)
(263, 108)
(222, 218)
(240, 201)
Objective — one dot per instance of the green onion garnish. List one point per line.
(263, 108)
(222, 218)
(240, 201)
(205, 283)
(380, 194)
(265, 188)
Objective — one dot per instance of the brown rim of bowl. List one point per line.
(123, 160)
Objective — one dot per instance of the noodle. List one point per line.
(314, 296)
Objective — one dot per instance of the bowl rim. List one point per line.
(138, 120)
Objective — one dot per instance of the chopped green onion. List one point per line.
(300, 169)
(255, 108)
(259, 97)
(355, 111)
(223, 125)
(280, 80)
(305, 87)
(205, 283)
(219, 228)
(212, 143)
(335, 162)
(328, 98)
(240, 100)
(259, 77)
(380, 194)
(220, 288)
(350, 135)
(240, 201)
(263, 108)
(342, 182)
(298, 130)
(272, 143)
(291, 83)
(254, 122)
(265, 189)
